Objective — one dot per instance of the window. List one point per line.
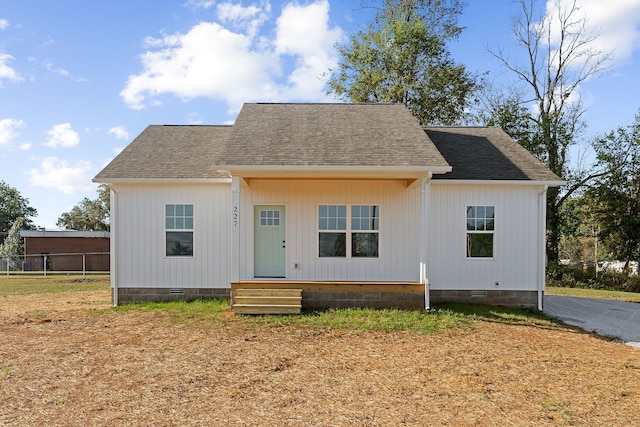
(332, 226)
(364, 226)
(179, 230)
(480, 228)
(363, 230)
(270, 218)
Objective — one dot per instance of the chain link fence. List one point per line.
(85, 262)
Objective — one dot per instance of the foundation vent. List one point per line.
(479, 294)
(176, 291)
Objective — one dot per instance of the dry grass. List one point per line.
(62, 364)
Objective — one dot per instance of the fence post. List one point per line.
(84, 263)
(8, 260)
(44, 264)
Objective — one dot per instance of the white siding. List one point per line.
(399, 228)
(517, 256)
(139, 236)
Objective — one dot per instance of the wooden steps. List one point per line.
(267, 301)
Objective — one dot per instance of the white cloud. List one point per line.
(49, 66)
(617, 24)
(25, 146)
(200, 4)
(58, 175)
(235, 66)
(303, 31)
(62, 135)
(6, 72)
(247, 19)
(4, 24)
(230, 12)
(9, 130)
(119, 132)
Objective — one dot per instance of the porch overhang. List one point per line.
(409, 174)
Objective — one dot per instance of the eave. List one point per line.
(496, 182)
(162, 180)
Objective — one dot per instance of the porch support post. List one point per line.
(235, 229)
(424, 237)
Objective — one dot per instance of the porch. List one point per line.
(324, 294)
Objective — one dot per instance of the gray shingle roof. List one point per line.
(360, 136)
(329, 135)
(168, 152)
(486, 153)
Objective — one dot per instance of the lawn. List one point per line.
(594, 293)
(68, 358)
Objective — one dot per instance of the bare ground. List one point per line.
(61, 365)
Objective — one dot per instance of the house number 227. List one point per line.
(235, 216)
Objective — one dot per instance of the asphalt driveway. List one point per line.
(604, 317)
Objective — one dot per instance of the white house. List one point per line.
(354, 204)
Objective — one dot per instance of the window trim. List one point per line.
(180, 230)
(348, 231)
(492, 232)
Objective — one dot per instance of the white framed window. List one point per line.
(179, 230)
(480, 231)
(348, 231)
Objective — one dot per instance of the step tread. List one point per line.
(267, 292)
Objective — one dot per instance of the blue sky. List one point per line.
(80, 79)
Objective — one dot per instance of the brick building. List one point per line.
(66, 250)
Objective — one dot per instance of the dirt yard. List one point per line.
(62, 365)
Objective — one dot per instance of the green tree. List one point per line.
(559, 57)
(88, 215)
(12, 207)
(617, 194)
(402, 57)
(12, 247)
(508, 112)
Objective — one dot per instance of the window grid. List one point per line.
(364, 221)
(269, 218)
(179, 230)
(480, 231)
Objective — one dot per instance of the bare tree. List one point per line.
(559, 53)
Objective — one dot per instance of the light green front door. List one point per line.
(270, 243)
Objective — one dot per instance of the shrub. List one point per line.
(577, 277)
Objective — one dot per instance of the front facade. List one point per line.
(355, 204)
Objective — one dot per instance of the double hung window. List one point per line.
(179, 230)
(480, 229)
(348, 232)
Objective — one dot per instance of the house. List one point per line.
(66, 250)
(354, 204)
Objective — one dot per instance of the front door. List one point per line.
(270, 243)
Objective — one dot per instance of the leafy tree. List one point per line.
(402, 57)
(12, 247)
(617, 194)
(88, 215)
(508, 112)
(12, 207)
(559, 55)
(579, 231)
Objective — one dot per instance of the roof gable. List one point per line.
(329, 135)
(486, 153)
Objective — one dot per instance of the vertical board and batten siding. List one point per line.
(516, 261)
(140, 236)
(398, 235)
